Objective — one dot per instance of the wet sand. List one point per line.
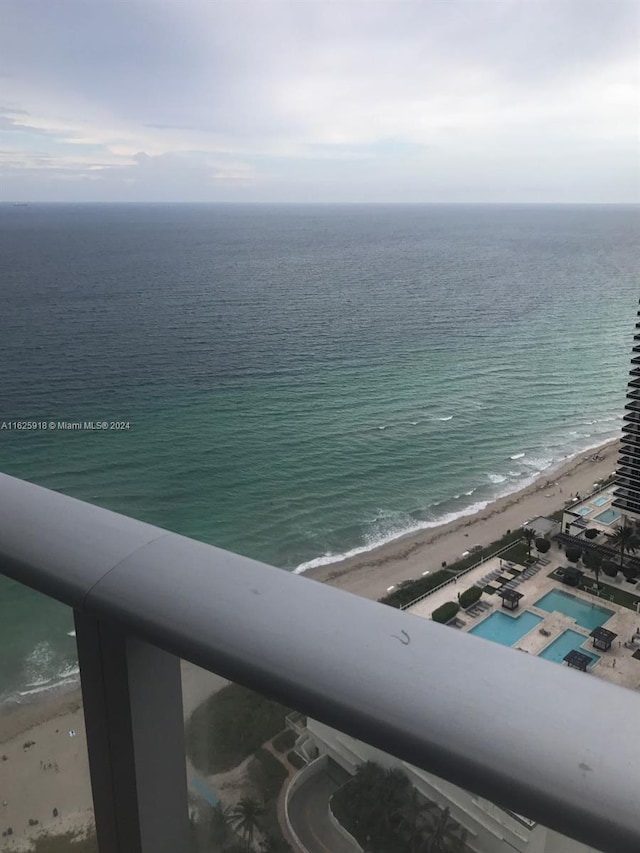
(370, 574)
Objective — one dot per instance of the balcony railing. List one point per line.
(538, 739)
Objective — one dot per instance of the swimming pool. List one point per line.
(608, 516)
(584, 510)
(602, 500)
(504, 629)
(563, 644)
(586, 614)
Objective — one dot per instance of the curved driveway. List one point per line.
(309, 812)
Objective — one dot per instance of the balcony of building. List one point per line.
(507, 729)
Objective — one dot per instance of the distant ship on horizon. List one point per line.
(21, 204)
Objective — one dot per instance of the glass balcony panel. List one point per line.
(241, 754)
(45, 789)
(264, 778)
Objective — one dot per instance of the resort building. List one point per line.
(596, 512)
(627, 494)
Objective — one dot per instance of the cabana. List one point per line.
(577, 660)
(510, 598)
(602, 638)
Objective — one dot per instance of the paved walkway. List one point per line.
(309, 812)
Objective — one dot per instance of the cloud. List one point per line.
(350, 100)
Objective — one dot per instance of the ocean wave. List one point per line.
(59, 682)
(520, 480)
(44, 671)
(449, 418)
(446, 518)
(497, 478)
(538, 463)
(517, 456)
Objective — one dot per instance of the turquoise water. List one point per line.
(562, 645)
(584, 510)
(504, 629)
(302, 382)
(608, 516)
(601, 500)
(587, 615)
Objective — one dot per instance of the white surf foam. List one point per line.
(446, 419)
(497, 478)
(327, 559)
(517, 456)
(536, 465)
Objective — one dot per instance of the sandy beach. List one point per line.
(370, 574)
(52, 771)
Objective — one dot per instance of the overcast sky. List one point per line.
(320, 100)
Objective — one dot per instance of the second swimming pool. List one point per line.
(562, 645)
(586, 614)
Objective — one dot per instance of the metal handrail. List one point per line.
(538, 739)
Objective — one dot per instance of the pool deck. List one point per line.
(624, 622)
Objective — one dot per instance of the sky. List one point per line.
(320, 101)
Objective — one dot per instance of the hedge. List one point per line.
(469, 596)
(410, 591)
(446, 612)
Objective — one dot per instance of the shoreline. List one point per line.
(344, 571)
(316, 564)
(371, 573)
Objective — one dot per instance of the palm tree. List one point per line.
(244, 818)
(529, 537)
(270, 844)
(624, 538)
(593, 561)
(416, 818)
(444, 835)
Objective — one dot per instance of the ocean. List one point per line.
(300, 382)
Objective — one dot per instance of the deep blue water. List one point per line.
(302, 381)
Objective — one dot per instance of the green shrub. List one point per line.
(573, 553)
(446, 612)
(229, 726)
(591, 533)
(410, 591)
(469, 596)
(610, 569)
(407, 592)
(542, 545)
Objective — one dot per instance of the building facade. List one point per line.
(627, 495)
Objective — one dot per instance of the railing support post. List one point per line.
(132, 695)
